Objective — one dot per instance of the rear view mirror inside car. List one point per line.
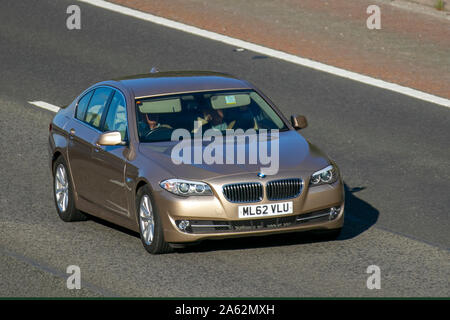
(229, 101)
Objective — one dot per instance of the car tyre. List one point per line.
(63, 193)
(150, 226)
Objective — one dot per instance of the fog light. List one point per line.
(183, 225)
(333, 212)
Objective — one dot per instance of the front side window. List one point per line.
(116, 118)
(158, 117)
(96, 106)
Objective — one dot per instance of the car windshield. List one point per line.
(158, 117)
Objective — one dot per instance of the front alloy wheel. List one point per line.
(150, 226)
(146, 220)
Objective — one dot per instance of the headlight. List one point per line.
(326, 175)
(186, 188)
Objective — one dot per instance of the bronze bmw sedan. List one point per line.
(113, 155)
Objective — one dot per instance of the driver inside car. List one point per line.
(153, 121)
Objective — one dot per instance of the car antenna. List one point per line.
(154, 70)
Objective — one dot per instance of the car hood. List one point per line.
(296, 154)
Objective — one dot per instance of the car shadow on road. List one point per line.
(359, 216)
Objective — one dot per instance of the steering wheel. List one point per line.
(161, 130)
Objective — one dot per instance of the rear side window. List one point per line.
(96, 107)
(116, 118)
(82, 105)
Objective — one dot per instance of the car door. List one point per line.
(84, 131)
(109, 161)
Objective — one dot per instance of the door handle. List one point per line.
(71, 133)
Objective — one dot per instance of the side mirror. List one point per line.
(299, 122)
(111, 138)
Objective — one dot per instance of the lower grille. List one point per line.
(243, 192)
(212, 226)
(263, 223)
(284, 189)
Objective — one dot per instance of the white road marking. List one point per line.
(45, 105)
(271, 52)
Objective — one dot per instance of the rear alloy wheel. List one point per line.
(150, 227)
(61, 188)
(63, 194)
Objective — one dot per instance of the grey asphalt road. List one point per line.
(393, 150)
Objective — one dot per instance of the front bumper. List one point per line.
(310, 212)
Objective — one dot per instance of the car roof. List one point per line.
(172, 82)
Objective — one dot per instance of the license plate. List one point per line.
(264, 210)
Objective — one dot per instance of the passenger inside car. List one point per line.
(212, 119)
